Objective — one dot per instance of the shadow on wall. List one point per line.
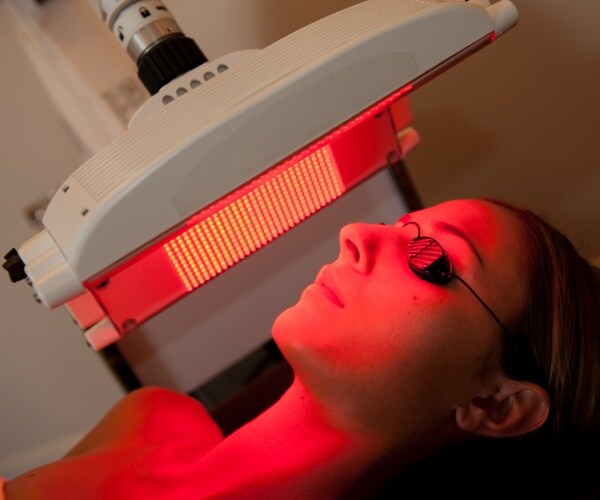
(519, 121)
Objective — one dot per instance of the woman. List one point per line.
(470, 319)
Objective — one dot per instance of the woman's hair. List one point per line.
(555, 340)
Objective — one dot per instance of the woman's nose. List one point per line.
(359, 244)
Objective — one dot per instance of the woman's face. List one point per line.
(383, 349)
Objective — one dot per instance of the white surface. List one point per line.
(55, 282)
(181, 159)
(504, 15)
(187, 82)
(101, 334)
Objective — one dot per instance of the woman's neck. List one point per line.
(291, 449)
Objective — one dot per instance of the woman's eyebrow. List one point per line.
(452, 229)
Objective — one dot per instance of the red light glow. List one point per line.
(248, 218)
(253, 217)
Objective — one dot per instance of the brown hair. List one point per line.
(555, 340)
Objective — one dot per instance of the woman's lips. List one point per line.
(326, 282)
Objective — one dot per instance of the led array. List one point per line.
(253, 216)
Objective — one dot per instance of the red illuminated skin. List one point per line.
(388, 367)
(402, 350)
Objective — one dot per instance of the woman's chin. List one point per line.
(283, 323)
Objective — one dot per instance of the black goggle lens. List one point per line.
(428, 260)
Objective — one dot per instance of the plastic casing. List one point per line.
(198, 148)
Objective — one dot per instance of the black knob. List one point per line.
(166, 60)
(15, 266)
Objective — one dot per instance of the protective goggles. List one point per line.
(429, 261)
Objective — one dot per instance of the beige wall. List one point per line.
(53, 388)
(520, 120)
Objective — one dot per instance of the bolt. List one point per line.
(393, 157)
(103, 285)
(129, 325)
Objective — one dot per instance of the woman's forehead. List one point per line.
(467, 211)
(493, 228)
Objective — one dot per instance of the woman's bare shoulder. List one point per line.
(149, 441)
(152, 415)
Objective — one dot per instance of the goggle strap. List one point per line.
(506, 330)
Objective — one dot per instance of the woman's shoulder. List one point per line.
(148, 442)
(152, 415)
(166, 410)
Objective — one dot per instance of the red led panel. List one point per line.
(252, 218)
(248, 218)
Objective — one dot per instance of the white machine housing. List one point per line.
(199, 138)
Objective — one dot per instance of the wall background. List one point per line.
(518, 121)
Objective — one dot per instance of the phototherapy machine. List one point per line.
(229, 155)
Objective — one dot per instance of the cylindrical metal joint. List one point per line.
(144, 39)
(141, 25)
(152, 38)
